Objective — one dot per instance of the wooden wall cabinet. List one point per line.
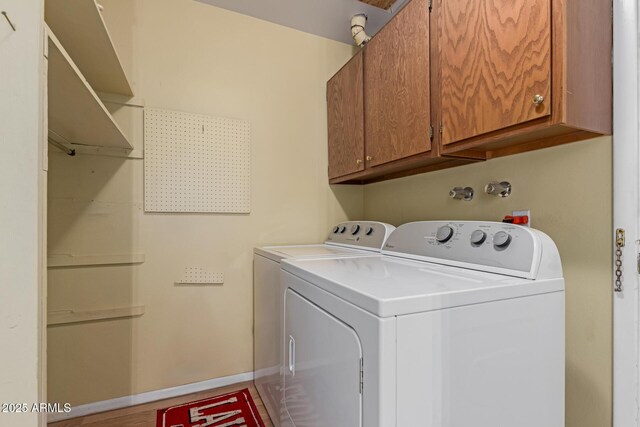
(397, 91)
(520, 75)
(379, 105)
(469, 80)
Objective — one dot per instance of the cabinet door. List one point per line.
(396, 83)
(345, 119)
(495, 65)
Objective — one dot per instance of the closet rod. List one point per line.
(69, 151)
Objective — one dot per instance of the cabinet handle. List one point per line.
(359, 161)
(538, 99)
(369, 158)
(292, 356)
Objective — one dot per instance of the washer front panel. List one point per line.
(485, 365)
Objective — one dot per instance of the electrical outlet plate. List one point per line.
(523, 212)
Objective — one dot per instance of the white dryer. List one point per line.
(347, 239)
(455, 324)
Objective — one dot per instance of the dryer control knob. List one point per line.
(501, 239)
(444, 234)
(354, 229)
(478, 237)
(369, 231)
(336, 229)
(342, 229)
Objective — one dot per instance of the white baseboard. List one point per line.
(151, 396)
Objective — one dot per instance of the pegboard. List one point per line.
(200, 276)
(196, 163)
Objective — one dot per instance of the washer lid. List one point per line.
(278, 253)
(389, 286)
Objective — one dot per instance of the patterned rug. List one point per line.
(235, 409)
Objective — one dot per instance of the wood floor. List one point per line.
(145, 415)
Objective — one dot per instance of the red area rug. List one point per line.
(235, 409)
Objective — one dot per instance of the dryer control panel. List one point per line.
(489, 246)
(361, 234)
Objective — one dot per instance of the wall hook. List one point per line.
(13, 27)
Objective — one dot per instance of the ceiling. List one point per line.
(326, 18)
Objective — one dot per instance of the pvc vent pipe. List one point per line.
(357, 29)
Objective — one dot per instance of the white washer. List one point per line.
(455, 324)
(347, 239)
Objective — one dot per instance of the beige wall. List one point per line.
(568, 190)
(22, 210)
(187, 56)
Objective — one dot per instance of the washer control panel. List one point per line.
(365, 234)
(483, 244)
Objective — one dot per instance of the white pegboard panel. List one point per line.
(200, 276)
(196, 163)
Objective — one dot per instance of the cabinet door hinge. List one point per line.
(441, 128)
(361, 375)
(430, 133)
(430, 5)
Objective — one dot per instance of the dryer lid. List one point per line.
(390, 286)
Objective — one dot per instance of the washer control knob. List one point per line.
(501, 239)
(444, 234)
(478, 237)
(355, 229)
(342, 229)
(336, 229)
(369, 231)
